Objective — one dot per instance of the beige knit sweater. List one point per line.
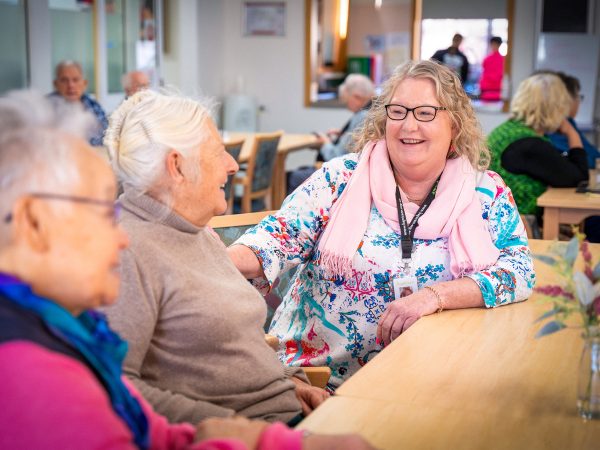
(193, 323)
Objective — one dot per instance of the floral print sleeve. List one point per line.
(512, 278)
(288, 237)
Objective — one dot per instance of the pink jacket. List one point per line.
(51, 401)
(491, 77)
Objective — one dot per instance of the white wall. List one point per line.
(181, 64)
(272, 68)
(524, 41)
(463, 9)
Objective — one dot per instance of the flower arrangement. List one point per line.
(581, 292)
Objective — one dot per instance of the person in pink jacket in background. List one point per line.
(490, 83)
(61, 384)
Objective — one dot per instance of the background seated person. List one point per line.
(134, 81)
(70, 84)
(525, 158)
(559, 140)
(194, 324)
(367, 269)
(61, 380)
(356, 93)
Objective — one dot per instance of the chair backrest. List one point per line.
(531, 226)
(234, 149)
(230, 228)
(262, 160)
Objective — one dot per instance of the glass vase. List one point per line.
(588, 389)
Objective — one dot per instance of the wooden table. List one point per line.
(468, 379)
(564, 205)
(287, 144)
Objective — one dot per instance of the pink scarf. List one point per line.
(455, 213)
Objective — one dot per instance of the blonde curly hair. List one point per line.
(542, 102)
(468, 138)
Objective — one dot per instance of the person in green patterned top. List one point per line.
(523, 156)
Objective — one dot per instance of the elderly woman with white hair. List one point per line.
(61, 380)
(194, 324)
(356, 93)
(525, 158)
(410, 226)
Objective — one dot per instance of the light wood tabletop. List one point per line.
(474, 378)
(287, 144)
(564, 205)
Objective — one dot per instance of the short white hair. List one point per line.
(145, 128)
(35, 154)
(67, 63)
(356, 83)
(126, 78)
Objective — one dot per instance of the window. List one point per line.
(438, 33)
(72, 26)
(13, 45)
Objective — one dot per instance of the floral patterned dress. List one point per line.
(333, 321)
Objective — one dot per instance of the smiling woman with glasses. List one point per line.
(410, 225)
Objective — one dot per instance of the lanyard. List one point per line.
(408, 230)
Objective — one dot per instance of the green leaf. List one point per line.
(546, 259)
(549, 328)
(572, 250)
(546, 315)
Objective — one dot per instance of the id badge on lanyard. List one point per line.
(405, 283)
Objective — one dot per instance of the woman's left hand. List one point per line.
(402, 313)
(309, 396)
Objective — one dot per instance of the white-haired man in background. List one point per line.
(70, 84)
(356, 93)
(134, 81)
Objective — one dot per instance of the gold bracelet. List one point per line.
(438, 297)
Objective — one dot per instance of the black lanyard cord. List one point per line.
(408, 230)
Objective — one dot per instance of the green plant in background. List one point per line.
(580, 292)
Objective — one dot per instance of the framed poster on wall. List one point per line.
(264, 18)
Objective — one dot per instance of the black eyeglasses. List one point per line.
(113, 206)
(423, 113)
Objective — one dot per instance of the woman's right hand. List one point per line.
(245, 430)
(571, 133)
(335, 442)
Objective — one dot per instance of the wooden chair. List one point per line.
(531, 226)
(234, 149)
(259, 174)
